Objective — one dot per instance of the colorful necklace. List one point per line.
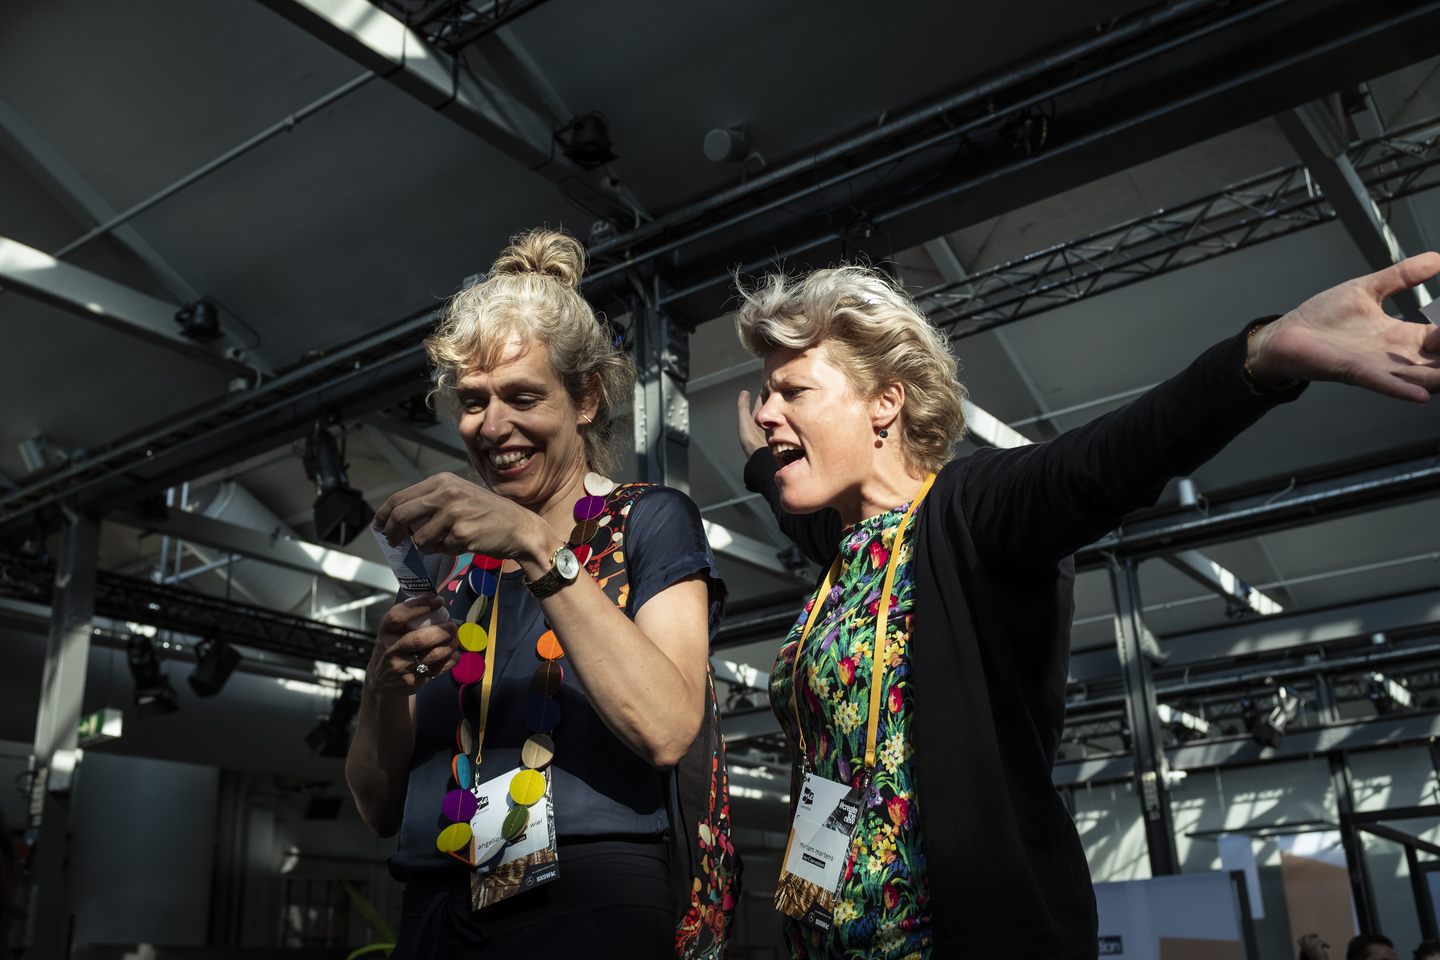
(542, 714)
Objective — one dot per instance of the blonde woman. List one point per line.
(960, 572)
(525, 750)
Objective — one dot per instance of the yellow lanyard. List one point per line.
(491, 654)
(882, 616)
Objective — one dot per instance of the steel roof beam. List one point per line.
(309, 558)
(385, 45)
(41, 277)
(53, 170)
(1316, 136)
(1211, 575)
(1299, 506)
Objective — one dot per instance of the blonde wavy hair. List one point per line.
(874, 333)
(532, 293)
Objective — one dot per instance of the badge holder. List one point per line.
(828, 813)
(522, 852)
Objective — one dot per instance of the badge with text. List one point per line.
(825, 822)
(514, 841)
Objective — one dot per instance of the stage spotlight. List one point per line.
(332, 736)
(200, 321)
(1183, 726)
(340, 510)
(216, 661)
(1268, 728)
(1389, 696)
(154, 697)
(586, 140)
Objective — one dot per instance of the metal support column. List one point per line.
(1316, 136)
(661, 410)
(1354, 846)
(1152, 783)
(55, 760)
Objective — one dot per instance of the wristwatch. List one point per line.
(564, 568)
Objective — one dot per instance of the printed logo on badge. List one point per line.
(482, 803)
(807, 797)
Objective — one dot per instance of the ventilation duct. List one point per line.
(261, 583)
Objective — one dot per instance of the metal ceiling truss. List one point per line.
(452, 25)
(392, 49)
(1105, 106)
(131, 600)
(1298, 505)
(1270, 205)
(365, 376)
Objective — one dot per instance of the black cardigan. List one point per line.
(994, 598)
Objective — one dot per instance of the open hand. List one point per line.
(1343, 335)
(752, 438)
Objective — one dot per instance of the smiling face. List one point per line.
(521, 426)
(821, 431)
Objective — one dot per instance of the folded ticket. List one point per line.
(412, 571)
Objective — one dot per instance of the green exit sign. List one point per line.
(100, 726)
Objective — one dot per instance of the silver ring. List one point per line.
(420, 668)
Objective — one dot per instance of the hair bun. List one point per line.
(547, 252)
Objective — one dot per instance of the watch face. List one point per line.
(567, 564)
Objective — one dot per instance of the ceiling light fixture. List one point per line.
(216, 661)
(1184, 727)
(154, 697)
(200, 321)
(586, 140)
(1389, 696)
(1268, 728)
(340, 510)
(332, 736)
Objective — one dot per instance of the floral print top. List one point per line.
(883, 908)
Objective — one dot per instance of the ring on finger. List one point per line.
(420, 666)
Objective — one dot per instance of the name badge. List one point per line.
(825, 821)
(511, 858)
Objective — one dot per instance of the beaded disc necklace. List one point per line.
(542, 714)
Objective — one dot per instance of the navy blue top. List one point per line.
(601, 787)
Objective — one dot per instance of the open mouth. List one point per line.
(509, 461)
(786, 453)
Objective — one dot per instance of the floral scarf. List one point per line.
(883, 909)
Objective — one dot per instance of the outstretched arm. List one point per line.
(1033, 505)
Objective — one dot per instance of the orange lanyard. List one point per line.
(881, 623)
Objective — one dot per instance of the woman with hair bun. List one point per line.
(548, 753)
(923, 687)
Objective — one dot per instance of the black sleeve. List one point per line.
(665, 544)
(1032, 506)
(816, 534)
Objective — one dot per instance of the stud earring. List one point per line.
(884, 433)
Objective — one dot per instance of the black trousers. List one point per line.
(612, 899)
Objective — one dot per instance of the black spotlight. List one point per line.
(154, 697)
(586, 140)
(340, 510)
(200, 321)
(217, 660)
(332, 736)
(1388, 695)
(1268, 727)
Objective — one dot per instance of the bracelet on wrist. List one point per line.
(1290, 384)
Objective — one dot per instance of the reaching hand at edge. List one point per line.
(752, 438)
(1344, 335)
